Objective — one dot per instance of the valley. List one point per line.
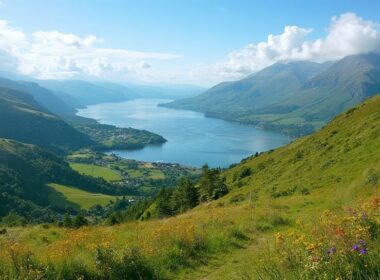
(183, 140)
(273, 197)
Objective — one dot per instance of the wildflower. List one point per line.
(311, 247)
(362, 242)
(279, 237)
(363, 252)
(331, 251)
(355, 247)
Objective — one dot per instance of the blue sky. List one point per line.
(199, 33)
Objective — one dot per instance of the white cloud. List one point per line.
(51, 54)
(348, 34)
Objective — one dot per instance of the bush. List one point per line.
(130, 266)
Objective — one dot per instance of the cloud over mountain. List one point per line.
(348, 34)
(52, 54)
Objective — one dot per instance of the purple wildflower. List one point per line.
(355, 247)
(362, 242)
(363, 252)
(331, 251)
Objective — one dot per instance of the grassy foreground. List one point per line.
(309, 210)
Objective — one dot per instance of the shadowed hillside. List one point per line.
(24, 120)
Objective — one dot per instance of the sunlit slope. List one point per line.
(331, 167)
(25, 170)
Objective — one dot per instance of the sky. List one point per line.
(200, 42)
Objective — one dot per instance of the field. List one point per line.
(146, 172)
(82, 198)
(97, 171)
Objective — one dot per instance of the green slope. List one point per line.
(334, 166)
(43, 96)
(97, 171)
(346, 83)
(238, 98)
(23, 119)
(25, 170)
(80, 198)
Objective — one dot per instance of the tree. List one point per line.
(67, 221)
(211, 186)
(13, 220)
(184, 197)
(163, 203)
(80, 221)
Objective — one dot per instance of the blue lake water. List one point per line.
(192, 138)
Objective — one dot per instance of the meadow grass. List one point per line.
(97, 171)
(82, 198)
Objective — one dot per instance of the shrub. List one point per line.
(130, 266)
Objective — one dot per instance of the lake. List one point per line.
(192, 138)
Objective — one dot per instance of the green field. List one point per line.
(156, 175)
(151, 174)
(97, 171)
(82, 198)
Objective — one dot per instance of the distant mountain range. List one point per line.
(296, 98)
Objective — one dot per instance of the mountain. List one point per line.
(346, 83)
(25, 120)
(42, 95)
(81, 93)
(295, 98)
(233, 99)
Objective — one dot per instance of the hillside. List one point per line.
(295, 98)
(285, 191)
(346, 83)
(25, 171)
(42, 95)
(24, 120)
(233, 99)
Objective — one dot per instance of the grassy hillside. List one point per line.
(344, 84)
(269, 226)
(24, 120)
(25, 171)
(82, 199)
(233, 99)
